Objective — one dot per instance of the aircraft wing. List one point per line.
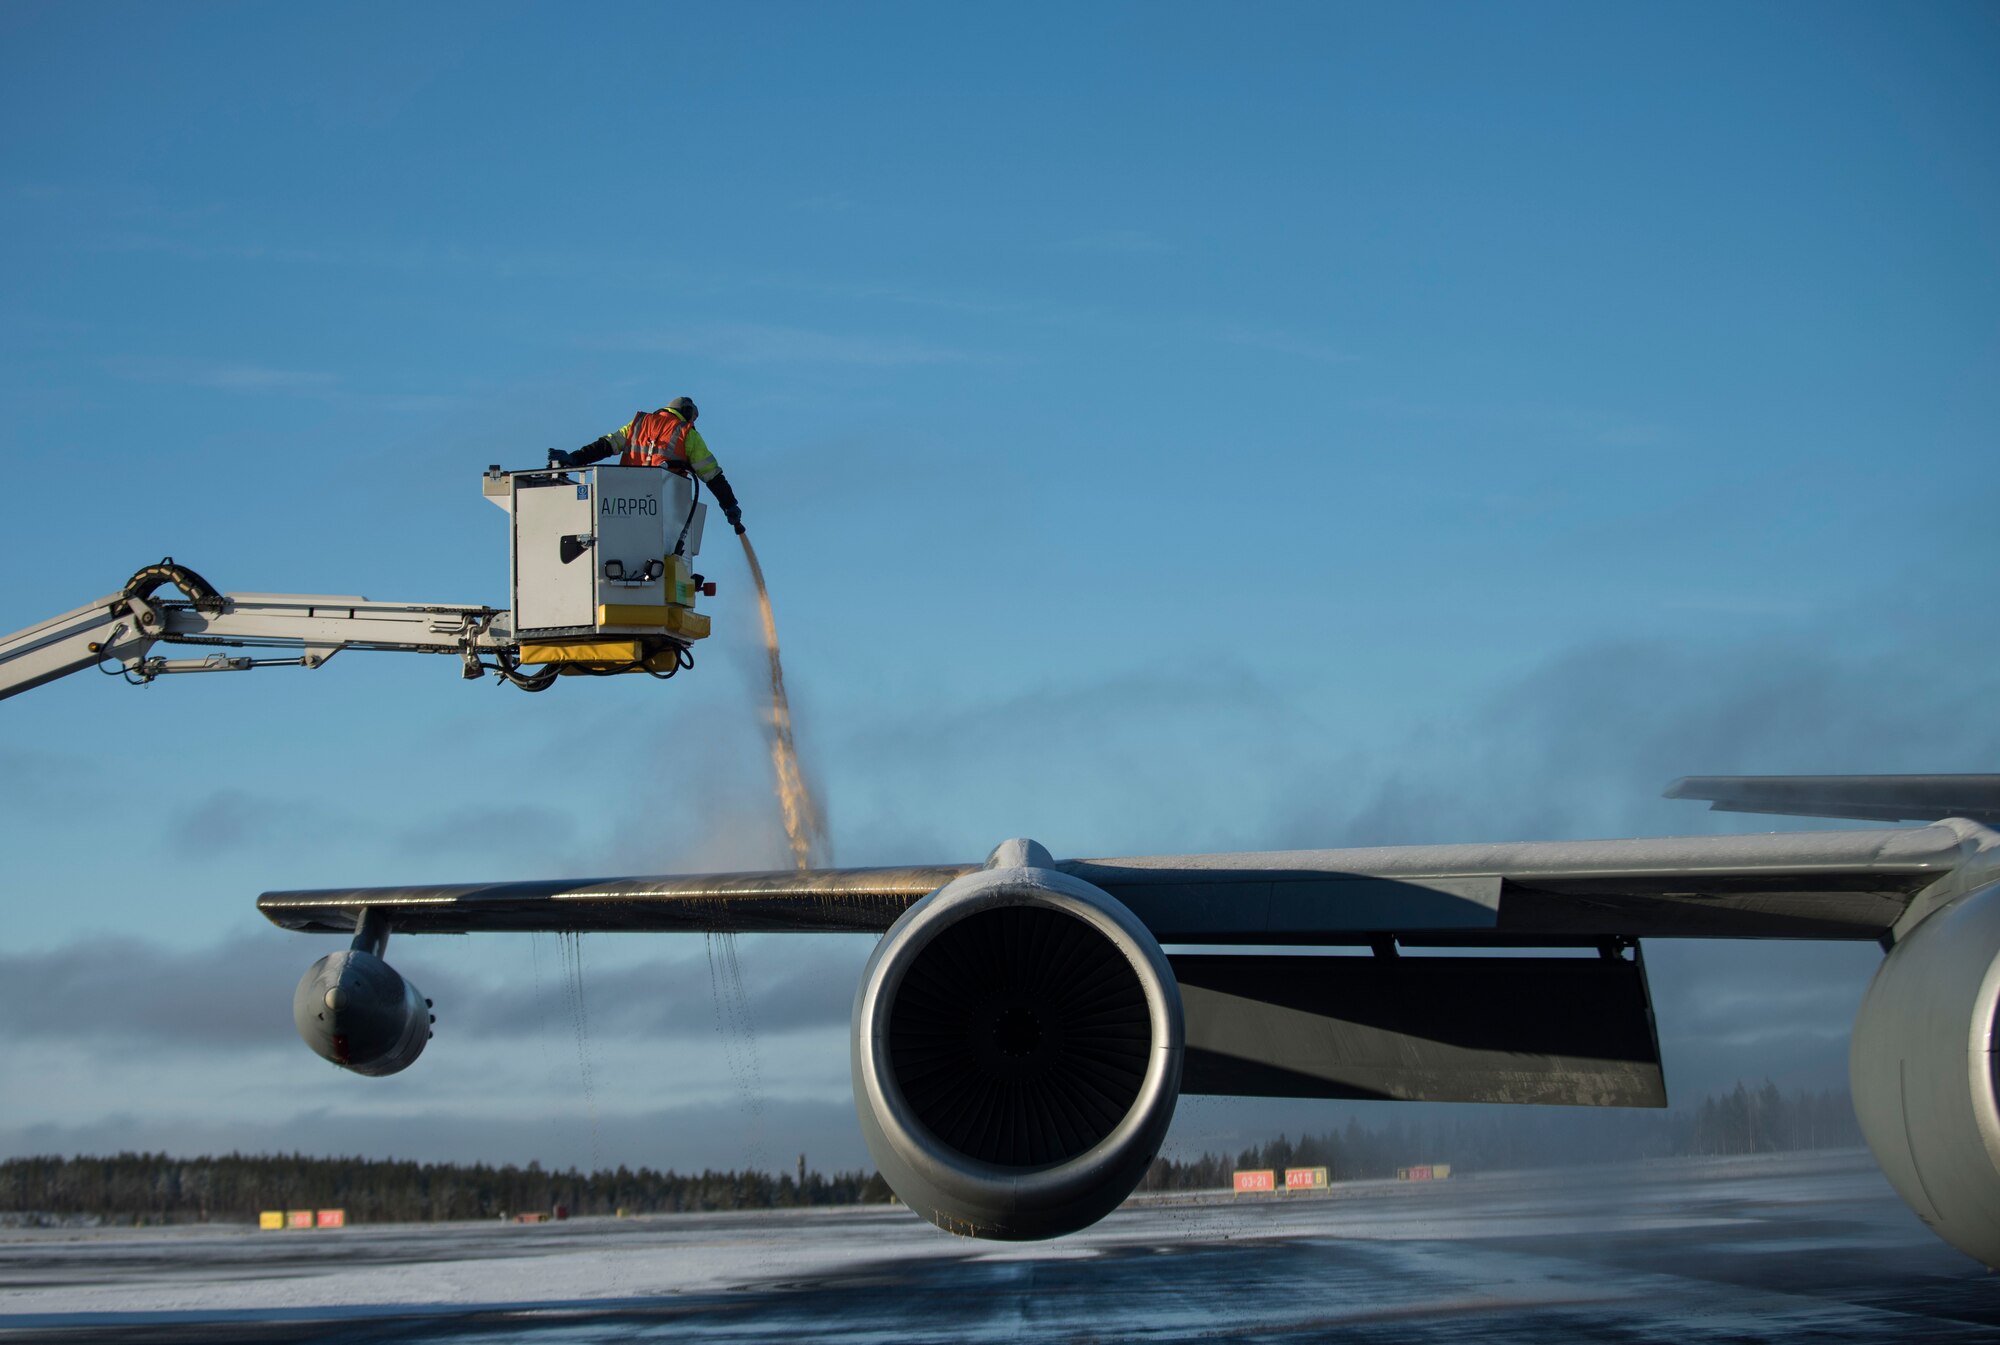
(1868, 798)
(1807, 885)
(1023, 1030)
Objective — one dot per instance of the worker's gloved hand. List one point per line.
(725, 495)
(558, 458)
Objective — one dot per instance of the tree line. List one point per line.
(156, 1188)
(1741, 1121)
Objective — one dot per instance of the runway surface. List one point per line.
(1801, 1248)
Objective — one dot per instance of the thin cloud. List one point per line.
(510, 832)
(1120, 242)
(1280, 342)
(1740, 604)
(111, 992)
(1583, 744)
(522, 838)
(1577, 426)
(119, 199)
(831, 203)
(103, 991)
(1040, 312)
(706, 1135)
(264, 380)
(754, 343)
(224, 821)
(221, 376)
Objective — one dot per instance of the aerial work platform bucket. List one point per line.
(601, 580)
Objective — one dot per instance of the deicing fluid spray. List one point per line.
(805, 826)
(805, 830)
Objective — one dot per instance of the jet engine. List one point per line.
(1017, 1051)
(1923, 1071)
(357, 1011)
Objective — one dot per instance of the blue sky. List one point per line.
(1165, 427)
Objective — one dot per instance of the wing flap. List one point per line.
(1574, 1031)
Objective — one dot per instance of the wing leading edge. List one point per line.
(1807, 885)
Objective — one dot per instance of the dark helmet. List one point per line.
(687, 409)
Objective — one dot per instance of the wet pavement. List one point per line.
(1807, 1248)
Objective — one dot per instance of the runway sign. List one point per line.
(271, 1219)
(1263, 1179)
(298, 1218)
(1305, 1179)
(333, 1218)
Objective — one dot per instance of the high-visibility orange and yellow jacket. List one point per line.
(656, 439)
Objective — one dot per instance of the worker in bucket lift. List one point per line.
(663, 438)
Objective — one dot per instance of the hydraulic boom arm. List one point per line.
(117, 633)
(600, 577)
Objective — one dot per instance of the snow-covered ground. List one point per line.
(1597, 1241)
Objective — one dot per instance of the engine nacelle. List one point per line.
(1017, 1051)
(357, 1011)
(1922, 1066)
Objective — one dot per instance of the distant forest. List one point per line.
(154, 1188)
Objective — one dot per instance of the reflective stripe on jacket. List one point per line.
(662, 439)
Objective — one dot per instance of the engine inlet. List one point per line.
(1016, 1051)
(1020, 1037)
